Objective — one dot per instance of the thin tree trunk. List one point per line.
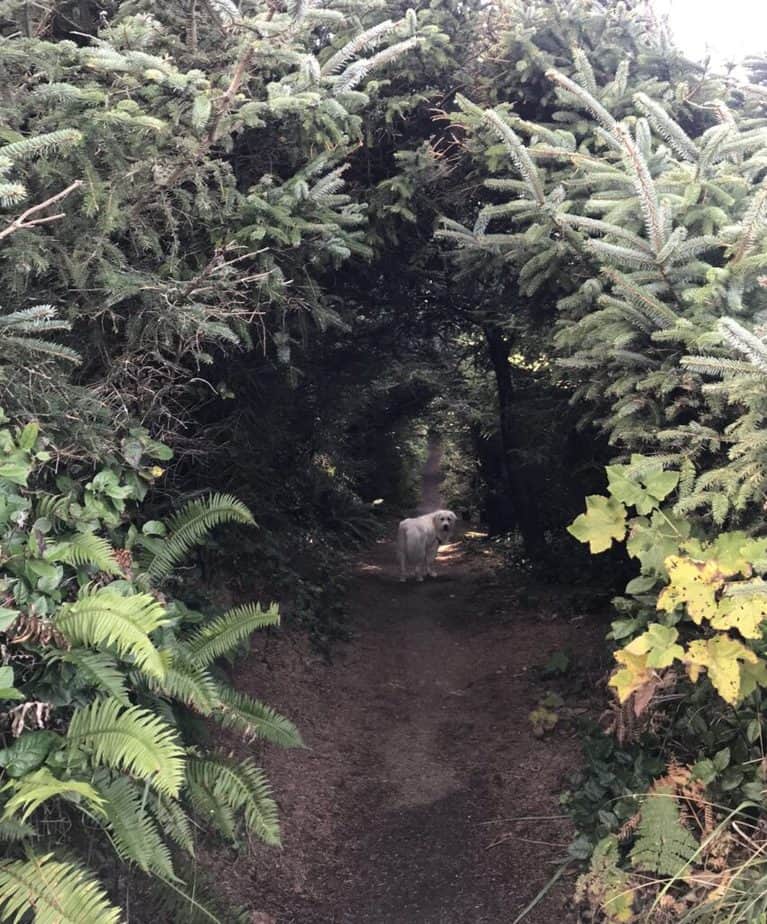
(523, 501)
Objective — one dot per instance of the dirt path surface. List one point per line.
(406, 807)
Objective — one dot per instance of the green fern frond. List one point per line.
(13, 830)
(85, 549)
(100, 670)
(53, 506)
(255, 719)
(130, 739)
(242, 787)
(30, 791)
(663, 845)
(135, 835)
(173, 821)
(211, 810)
(103, 618)
(55, 892)
(190, 684)
(226, 632)
(191, 525)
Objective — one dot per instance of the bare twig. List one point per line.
(22, 222)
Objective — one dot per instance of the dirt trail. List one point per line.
(421, 752)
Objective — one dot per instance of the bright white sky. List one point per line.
(729, 29)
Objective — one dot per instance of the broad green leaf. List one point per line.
(603, 521)
(653, 541)
(623, 488)
(28, 752)
(661, 484)
(641, 584)
(7, 689)
(15, 472)
(7, 617)
(28, 436)
(659, 644)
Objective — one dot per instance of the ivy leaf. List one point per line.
(603, 521)
(722, 656)
(746, 614)
(693, 583)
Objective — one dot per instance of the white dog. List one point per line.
(418, 539)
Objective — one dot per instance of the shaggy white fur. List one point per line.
(418, 539)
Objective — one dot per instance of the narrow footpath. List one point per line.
(424, 797)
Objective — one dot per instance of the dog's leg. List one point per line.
(431, 555)
(423, 564)
(402, 555)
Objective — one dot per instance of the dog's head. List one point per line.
(444, 521)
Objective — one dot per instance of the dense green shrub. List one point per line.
(104, 667)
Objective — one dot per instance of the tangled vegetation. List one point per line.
(246, 246)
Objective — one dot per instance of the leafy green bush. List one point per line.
(103, 669)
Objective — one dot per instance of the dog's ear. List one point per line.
(452, 516)
(435, 519)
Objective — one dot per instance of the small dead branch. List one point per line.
(22, 222)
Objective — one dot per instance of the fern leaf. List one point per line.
(663, 845)
(190, 526)
(13, 830)
(100, 670)
(173, 821)
(85, 549)
(55, 892)
(104, 618)
(130, 739)
(190, 684)
(243, 788)
(31, 790)
(135, 835)
(211, 810)
(255, 719)
(223, 634)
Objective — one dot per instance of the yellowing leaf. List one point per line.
(744, 613)
(722, 657)
(659, 644)
(603, 521)
(632, 676)
(693, 583)
(734, 552)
